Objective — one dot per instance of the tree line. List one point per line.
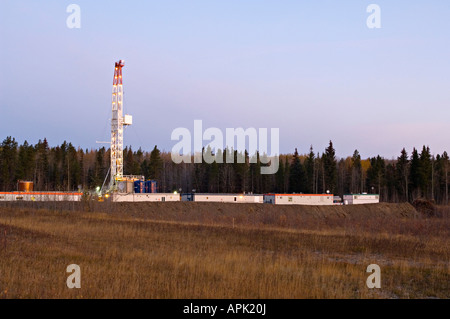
(66, 168)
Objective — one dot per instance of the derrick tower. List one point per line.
(118, 121)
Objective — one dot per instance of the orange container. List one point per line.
(25, 186)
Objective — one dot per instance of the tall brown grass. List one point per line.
(125, 256)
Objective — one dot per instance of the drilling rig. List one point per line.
(118, 121)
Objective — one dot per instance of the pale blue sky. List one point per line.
(311, 68)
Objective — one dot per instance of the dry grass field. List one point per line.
(190, 250)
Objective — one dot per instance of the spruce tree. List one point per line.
(402, 173)
(25, 163)
(356, 173)
(155, 165)
(330, 168)
(41, 177)
(415, 173)
(310, 171)
(446, 169)
(297, 175)
(128, 161)
(376, 174)
(279, 176)
(425, 171)
(8, 163)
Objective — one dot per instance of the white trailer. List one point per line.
(223, 198)
(146, 197)
(299, 199)
(354, 199)
(40, 197)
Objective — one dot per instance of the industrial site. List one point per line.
(118, 187)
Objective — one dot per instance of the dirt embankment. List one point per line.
(345, 211)
(282, 215)
(214, 210)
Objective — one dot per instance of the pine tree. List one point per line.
(446, 166)
(287, 172)
(128, 161)
(214, 177)
(415, 173)
(279, 175)
(425, 171)
(356, 173)
(99, 173)
(138, 158)
(402, 173)
(216, 172)
(255, 174)
(64, 166)
(376, 174)
(42, 170)
(330, 168)
(154, 169)
(310, 171)
(203, 173)
(82, 168)
(73, 168)
(25, 162)
(297, 175)
(241, 171)
(391, 183)
(8, 163)
(342, 177)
